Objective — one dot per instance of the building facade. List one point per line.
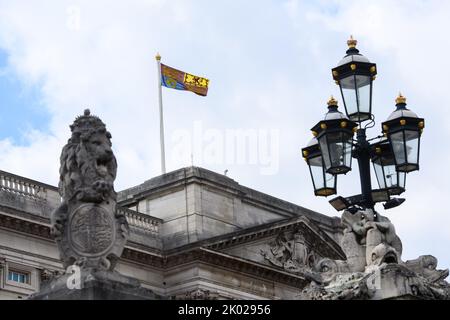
(195, 234)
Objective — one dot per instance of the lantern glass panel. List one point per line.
(349, 96)
(380, 175)
(316, 168)
(401, 179)
(356, 93)
(398, 147)
(336, 150)
(412, 146)
(347, 150)
(324, 183)
(325, 152)
(405, 145)
(363, 86)
(389, 178)
(330, 181)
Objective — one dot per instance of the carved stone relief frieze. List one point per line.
(291, 252)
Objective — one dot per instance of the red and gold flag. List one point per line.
(180, 80)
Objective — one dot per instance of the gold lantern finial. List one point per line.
(158, 56)
(332, 102)
(352, 42)
(400, 99)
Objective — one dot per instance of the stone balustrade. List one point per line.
(26, 187)
(28, 196)
(41, 199)
(141, 221)
(10, 184)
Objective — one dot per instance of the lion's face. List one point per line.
(88, 167)
(99, 147)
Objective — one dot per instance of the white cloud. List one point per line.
(269, 66)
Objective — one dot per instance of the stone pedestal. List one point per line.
(94, 285)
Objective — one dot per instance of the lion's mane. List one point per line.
(79, 171)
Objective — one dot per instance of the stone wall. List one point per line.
(171, 218)
(197, 204)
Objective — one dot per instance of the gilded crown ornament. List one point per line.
(352, 42)
(332, 102)
(400, 99)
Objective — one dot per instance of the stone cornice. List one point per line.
(20, 214)
(29, 254)
(143, 248)
(164, 183)
(156, 259)
(138, 221)
(42, 229)
(316, 238)
(144, 258)
(181, 177)
(216, 259)
(325, 244)
(25, 226)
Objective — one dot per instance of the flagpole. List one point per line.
(161, 122)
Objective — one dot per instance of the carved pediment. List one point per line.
(294, 246)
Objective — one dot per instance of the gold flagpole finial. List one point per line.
(352, 42)
(158, 57)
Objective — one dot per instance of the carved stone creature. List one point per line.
(425, 266)
(387, 281)
(365, 242)
(87, 227)
(373, 269)
(347, 286)
(363, 233)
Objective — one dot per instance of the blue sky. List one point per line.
(269, 63)
(22, 108)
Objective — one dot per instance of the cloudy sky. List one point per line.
(269, 64)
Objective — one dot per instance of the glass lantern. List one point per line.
(354, 75)
(384, 164)
(335, 136)
(404, 128)
(324, 183)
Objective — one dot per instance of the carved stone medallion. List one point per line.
(91, 230)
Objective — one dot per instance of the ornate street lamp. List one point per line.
(384, 165)
(404, 128)
(335, 134)
(354, 75)
(396, 154)
(323, 182)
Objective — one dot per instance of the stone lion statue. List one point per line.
(88, 165)
(87, 173)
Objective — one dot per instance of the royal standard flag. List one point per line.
(176, 79)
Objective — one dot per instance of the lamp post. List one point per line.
(395, 154)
